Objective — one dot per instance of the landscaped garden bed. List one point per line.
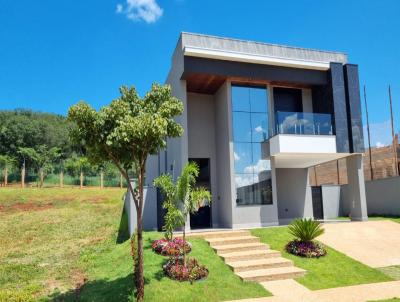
(171, 248)
(308, 249)
(193, 271)
(305, 231)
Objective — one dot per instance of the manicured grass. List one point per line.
(392, 271)
(376, 217)
(333, 270)
(392, 218)
(111, 277)
(61, 245)
(388, 300)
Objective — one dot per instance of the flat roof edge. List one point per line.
(209, 42)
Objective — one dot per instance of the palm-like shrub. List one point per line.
(305, 229)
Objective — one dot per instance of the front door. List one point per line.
(318, 210)
(202, 219)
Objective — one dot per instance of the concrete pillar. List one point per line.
(356, 186)
(274, 186)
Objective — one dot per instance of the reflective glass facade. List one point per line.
(250, 129)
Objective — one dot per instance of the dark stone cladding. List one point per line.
(338, 99)
(353, 107)
(195, 65)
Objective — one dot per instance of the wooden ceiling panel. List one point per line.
(204, 83)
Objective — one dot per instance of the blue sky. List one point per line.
(54, 53)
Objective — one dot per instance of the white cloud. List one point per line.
(119, 9)
(379, 145)
(261, 165)
(259, 129)
(243, 180)
(140, 10)
(236, 156)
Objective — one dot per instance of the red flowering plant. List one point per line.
(175, 269)
(171, 248)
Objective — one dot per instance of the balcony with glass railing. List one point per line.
(303, 123)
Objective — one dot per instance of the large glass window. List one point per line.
(250, 128)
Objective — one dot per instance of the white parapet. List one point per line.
(289, 143)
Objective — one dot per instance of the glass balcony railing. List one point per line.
(303, 123)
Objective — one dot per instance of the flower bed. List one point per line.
(308, 249)
(171, 248)
(193, 271)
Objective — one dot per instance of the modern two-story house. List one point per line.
(256, 117)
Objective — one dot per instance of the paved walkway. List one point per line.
(374, 243)
(291, 291)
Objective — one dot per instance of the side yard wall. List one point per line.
(383, 198)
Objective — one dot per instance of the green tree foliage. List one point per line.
(27, 129)
(7, 161)
(305, 229)
(182, 198)
(75, 164)
(126, 132)
(42, 158)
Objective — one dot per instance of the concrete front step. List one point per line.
(271, 274)
(238, 247)
(232, 240)
(218, 234)
(255, 264)
(249, 255)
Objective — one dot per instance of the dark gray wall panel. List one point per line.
(354, 113)
(194, 65)
(337, 87)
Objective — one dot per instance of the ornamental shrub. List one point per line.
(305, 229)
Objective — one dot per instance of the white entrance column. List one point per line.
(356, 186)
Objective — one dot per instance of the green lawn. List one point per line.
(375, 217)
(392, 218)
(392, 271)
(388, 300)
(61, 245)
(333, 270)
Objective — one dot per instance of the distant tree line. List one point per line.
(38, 144)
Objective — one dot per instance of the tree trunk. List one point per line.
(101, 180)
(81, 180)
(41, 178)
(23, 177)
(62, 179)
(140, 275)
(120, 180)
(5, 176)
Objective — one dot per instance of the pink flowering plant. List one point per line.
(175, 269)
(171, 248)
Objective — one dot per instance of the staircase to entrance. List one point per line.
(250, 259)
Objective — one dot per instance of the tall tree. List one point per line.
(6, 162)
(127, 132)
(41, 158)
